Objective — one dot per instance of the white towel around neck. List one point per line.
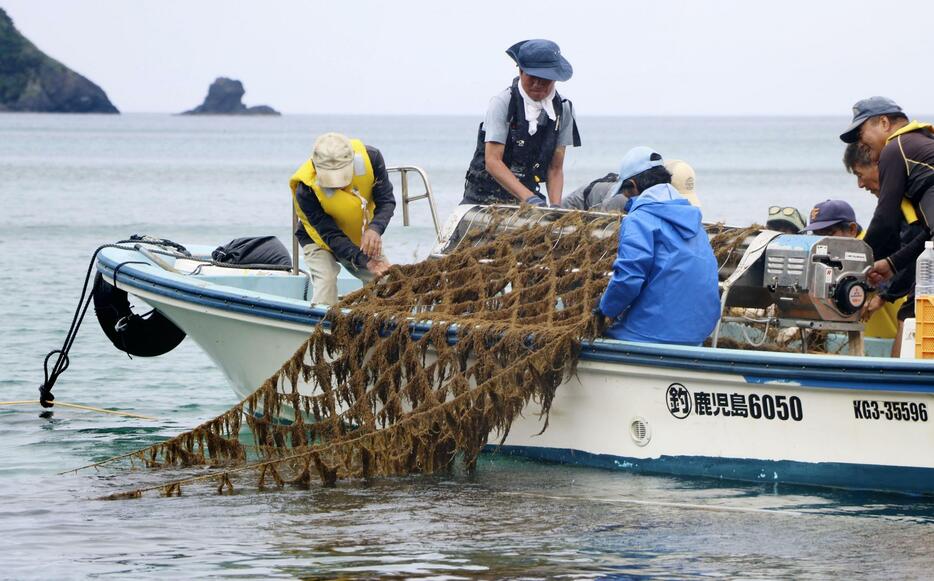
(534, 108)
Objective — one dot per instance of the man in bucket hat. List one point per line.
(906, 173)
(521, 143)
(786, 219)
(344, 199)
(664, 287)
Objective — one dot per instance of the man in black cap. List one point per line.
(521, 143)
(906, 172)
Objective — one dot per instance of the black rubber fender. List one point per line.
(144, 336)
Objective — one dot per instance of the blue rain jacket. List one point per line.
(664, 284)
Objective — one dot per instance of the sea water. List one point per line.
(71, 183)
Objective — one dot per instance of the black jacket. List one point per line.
(905, 170)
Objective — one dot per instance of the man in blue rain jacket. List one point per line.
(664, 283)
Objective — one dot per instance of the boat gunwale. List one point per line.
(794, 369)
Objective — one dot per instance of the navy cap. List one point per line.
(866, 109)
(830, 213)
(541, 58)
(637, 160)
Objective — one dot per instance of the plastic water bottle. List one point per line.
(924, 303)
(924, 273)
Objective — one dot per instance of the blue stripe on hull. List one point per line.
(838, 372)
(902, 479)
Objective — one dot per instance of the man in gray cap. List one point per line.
(521, 143)
(906, 172)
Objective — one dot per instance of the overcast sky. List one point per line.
(427, 57)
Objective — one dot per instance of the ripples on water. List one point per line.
(68, 184)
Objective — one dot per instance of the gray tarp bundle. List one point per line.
(258, 250)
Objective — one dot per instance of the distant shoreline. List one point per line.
(453, 115)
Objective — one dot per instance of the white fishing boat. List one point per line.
(846, 421)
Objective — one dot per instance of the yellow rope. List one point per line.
(81, 407)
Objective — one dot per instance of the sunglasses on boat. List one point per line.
(776, 210)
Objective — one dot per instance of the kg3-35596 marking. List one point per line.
(899, 411)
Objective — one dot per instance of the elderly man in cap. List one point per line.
(858, 161)
(906, 172)
(344, 199)
(664, 286)
(521, 143)
(596, 197)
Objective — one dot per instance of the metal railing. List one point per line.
(403, 171)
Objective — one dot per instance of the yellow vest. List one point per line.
(884, 322)
(351, 207)
(913, 126)
(911, 216)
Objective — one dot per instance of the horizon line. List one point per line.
(397, 114)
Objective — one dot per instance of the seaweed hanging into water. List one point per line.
(421, 367)
(408, 374)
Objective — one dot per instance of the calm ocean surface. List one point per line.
(71, 183)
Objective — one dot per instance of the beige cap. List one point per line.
(682, 178)
(333, 160)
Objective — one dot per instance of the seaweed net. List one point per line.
(420, 368)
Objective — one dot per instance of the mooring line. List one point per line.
(82, 407)
(662, 503)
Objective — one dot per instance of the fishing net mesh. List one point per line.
(423, 367)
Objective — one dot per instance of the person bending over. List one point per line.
(906, 172)
(664, 286)
(857, 159)
(521, 143)
(344, 199)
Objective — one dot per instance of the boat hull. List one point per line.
(668, 421)
(834, 421)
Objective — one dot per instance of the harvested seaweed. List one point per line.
(421, 367)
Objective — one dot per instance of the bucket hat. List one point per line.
(787, 216)
(541, 58)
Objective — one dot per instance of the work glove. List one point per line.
(537, 201)
(598, 317)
